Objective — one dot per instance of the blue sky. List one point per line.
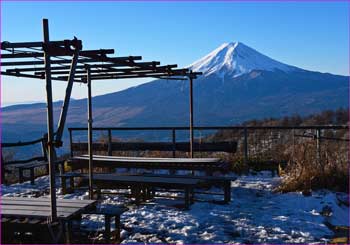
(310, 35)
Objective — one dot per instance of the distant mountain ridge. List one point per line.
(238, 84)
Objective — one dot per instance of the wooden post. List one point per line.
(44, 147)
(88, 79)
(245, 145)
(174, 142)
(109, 142)
(50, 133)
(318, 146)
(2, 169)
(191, 115)
(69, 88)
(71, 142)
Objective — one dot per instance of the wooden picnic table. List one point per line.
(224, 182)
(142, 186)
(26, 212)
(40, 207)
(206, 164)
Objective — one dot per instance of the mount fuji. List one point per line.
(235, 59)
(238, 84)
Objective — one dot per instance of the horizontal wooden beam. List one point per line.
(83, 67)
(103, 69)
(13, 74)
(86, 60)
(122, 76)
(40, 54)
(229, 147)
(10, 45)
(340, 127)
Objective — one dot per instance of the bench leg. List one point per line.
(98, 193)
(64, 185)
(136, 193)
(107, 233)
(187, 198)
(71, 183)
(227, 191)
(68, 231)
(192, 196)
(32, 176)
(20, 175)
(47, 169)
(117, 229)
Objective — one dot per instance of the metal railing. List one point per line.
(254, 142)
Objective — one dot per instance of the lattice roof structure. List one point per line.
(27, 60)
(65, 60)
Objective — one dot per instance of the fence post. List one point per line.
(174, 142)
(109, 142)
(44, 146)
(318, 145)
(2, 169)
(71, 142)
(245, 145)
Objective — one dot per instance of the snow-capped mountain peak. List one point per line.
(235, 59)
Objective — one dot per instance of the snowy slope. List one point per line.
(256, 214)
(235, 59)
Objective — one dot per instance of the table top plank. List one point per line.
(42, 204)
(46, 200)
(40, 207)
(32, 214)
(140, 179)
(150, 159)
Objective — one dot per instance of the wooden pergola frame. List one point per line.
(66, 60)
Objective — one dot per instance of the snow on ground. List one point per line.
(255, 215)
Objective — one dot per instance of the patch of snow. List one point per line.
(235, 59)
(256, 214)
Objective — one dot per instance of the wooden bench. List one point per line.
(109, 212)
(222, 146)
(224, 182)
(142, 187)
(31, 214)
(24, 164)
(31, 168)
(206, 164)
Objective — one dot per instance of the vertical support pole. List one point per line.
(50, 133)
(71, 142)
(318, 146)
(245, 145)
(88, 79)
(191, 115)
(293, 137)
(2, 168)
(174, 142)
(109, 142)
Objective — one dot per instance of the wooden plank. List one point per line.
(69, 210)
(145, 180)
(208, 178)
(150, 159)
(32, 214)
(41, 205)
(44, 200)
(229, 147)
(150, 163)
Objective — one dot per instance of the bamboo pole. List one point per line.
(191, 115)
(88, 79)
(50, 133)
